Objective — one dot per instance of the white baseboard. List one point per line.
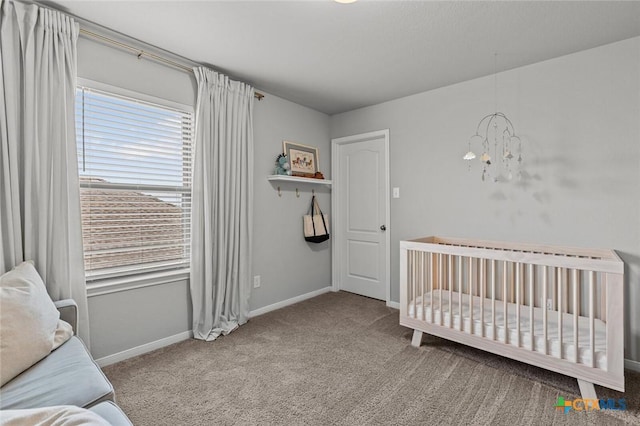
(288, 302)
(394, 305)
(632, 365)
(143, 349)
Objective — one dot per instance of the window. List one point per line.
(134, 161)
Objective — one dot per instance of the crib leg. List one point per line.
(587, 390)
(417, 338)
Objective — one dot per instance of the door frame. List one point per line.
(336, 254)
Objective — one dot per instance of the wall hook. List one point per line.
(297, 193)
(279, 192)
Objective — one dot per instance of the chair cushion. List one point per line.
(68, 376)
(111, 413)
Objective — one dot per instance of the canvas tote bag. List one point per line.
(316, 224)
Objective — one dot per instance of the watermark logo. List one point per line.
(587, 404)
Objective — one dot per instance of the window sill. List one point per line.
(131, 282)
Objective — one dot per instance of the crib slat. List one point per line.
(440, 281)
(565, 280)
(422, 267)
(518, 282)
(450, 282)
(421, 281)
(512, 281)
(531, 310)
(576, 312)
(460, 292)
(545, 311)
(483, 285)
(410, 296)
(592, 336)
(505, 301)
(493, 297)
(601, 291)
(522, 281)
(559, 281)
(431, 285)
(471, 261)
(579, 280)
(414, 281)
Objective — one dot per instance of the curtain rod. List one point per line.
(141, 53)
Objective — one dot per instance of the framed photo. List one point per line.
(303, 159)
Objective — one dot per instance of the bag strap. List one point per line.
(315, 207)
(312, 206)
(312, 209)
(324, 223)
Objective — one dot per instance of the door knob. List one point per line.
(383, 228)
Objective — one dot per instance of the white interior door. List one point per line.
(361, 213)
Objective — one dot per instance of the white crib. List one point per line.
(554, 307)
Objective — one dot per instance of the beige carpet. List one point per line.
(343, 359)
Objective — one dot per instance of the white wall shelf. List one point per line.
(296, 179)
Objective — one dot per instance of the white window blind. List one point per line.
(134, 160)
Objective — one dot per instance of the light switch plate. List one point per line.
(396, 192)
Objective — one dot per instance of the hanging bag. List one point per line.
(316, 224)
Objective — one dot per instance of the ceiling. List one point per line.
(338, 57)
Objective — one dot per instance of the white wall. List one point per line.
(116, 67)
(124, 320)
(289, 267)
(578, 117)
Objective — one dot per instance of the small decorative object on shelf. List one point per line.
(318, 175)
(282, 166)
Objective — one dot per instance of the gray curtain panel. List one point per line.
(222, 205)
(39, 190)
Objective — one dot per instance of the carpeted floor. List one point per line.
(343, 359)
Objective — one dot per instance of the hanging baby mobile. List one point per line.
(497, 140)
(500, 147)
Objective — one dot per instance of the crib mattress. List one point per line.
(441, 309)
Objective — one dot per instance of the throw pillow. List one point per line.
(64, 331)
(61, 415)
(28, 321)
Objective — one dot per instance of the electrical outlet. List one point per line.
(256, 281)
(549, 304)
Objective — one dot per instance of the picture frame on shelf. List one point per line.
(303, 159)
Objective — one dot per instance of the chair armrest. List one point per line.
(68, 312)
